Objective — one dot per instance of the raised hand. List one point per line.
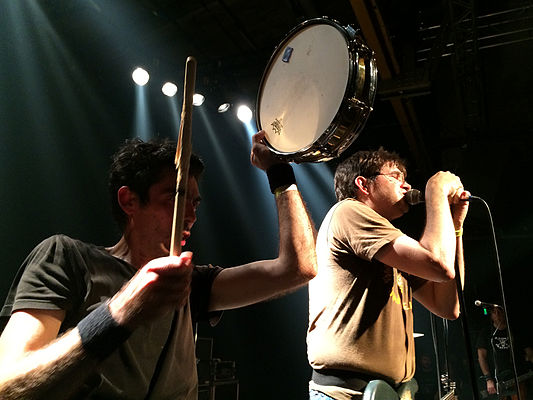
(447, 184)
(261, 156)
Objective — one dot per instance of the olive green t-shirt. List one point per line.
(360, 310)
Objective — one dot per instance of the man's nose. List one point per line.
(190, 213)
(406, 185)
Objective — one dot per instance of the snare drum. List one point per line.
(316, 92)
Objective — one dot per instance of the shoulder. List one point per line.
(63, 253)
(351, 215)
(482, 339)
(354, 209)
(60, 242)
(348, 208)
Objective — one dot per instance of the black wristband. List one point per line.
(100, 333)
(487, 377)
(280, 175)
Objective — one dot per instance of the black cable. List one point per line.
(436, 348)
(446, 361)
(464, 324)
(466, 334)
(504, 303)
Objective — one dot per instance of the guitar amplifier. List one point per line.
(222, 390)
(224, 370)
(215, 370)
(216, 378)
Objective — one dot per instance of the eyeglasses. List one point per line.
(396, 175)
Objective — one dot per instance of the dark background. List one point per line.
(454, 93)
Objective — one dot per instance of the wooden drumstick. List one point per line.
(183, 156)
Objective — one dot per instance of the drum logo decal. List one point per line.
(287, 54)
(277, 126)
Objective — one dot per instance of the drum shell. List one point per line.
(355, 106)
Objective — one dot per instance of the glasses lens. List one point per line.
(399, 177)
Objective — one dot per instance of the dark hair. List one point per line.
(363, 163)
(139, 165)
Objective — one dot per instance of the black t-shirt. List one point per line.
(66, 274)
(498, 346)
(62, 273)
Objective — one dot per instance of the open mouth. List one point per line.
(186, 235)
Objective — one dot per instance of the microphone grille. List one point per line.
(413, 197)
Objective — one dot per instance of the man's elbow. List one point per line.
(448, 275)
(450, 314)
(310, 271)
(444, 271)
(300, 271)
(454, 315)
(306, 270)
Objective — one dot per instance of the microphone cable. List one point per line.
(432, 318)
(504, 301)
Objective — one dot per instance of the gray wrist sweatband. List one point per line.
(100, 333)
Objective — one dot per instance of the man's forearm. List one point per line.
(483, 363)
(54, 371)
(297, 236)
(438, 236)
(445, 293)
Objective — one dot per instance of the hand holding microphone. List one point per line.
(441, 181)
(445, 183)
(415, 196)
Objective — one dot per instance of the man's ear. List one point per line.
(127, 200)
(362, 184)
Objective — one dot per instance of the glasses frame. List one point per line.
(394, 175)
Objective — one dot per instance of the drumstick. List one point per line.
(183, 156)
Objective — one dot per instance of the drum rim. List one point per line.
(304, 154)
(313, 21)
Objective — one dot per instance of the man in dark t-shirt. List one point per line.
(494, 356)
(90, 322)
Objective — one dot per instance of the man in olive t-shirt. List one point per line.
(360, 302)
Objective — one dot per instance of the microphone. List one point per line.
(486, 305)
(413, 197)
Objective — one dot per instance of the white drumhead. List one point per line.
(300, 98)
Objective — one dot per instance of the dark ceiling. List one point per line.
(454, 88)
(454, 93)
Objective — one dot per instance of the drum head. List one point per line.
(303, 87)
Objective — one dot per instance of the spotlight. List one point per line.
(169, 89)
(140, 76)
(198, 99)
(244, 113)
(223, 107)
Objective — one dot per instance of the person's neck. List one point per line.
(121, 250)
(125, 250)
(501, 326)
(371, 204)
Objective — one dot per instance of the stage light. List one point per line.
(169, 89)
(140, 76)
(223, 107)
(198, 99)
(244, 113)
